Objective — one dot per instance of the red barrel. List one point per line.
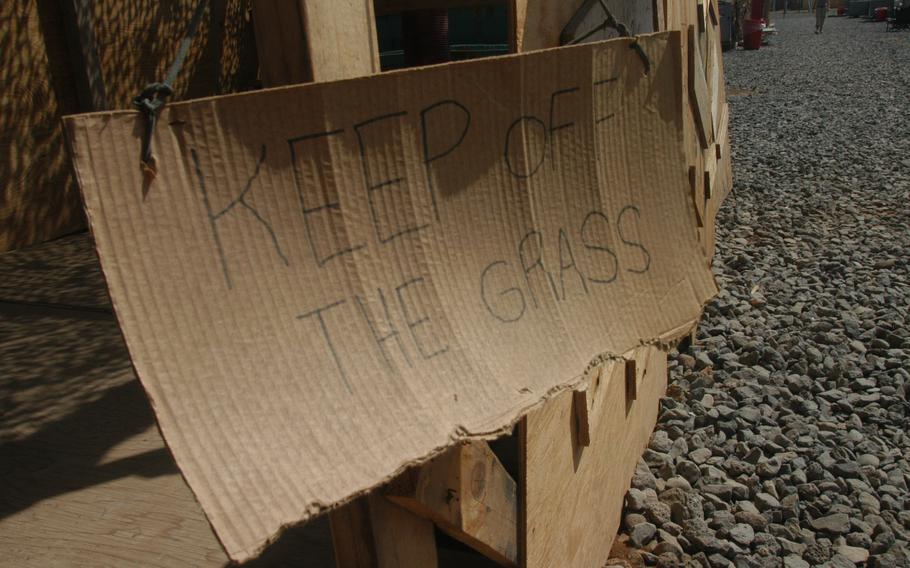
(752, 34)
(880, 14)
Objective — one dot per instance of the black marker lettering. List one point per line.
(377, 335)
(413, 324)
(309, 211)
(527, 266)
(376, 186)
(589, 243)
(427, 158)
(512, 169)
(214, 217)
(554, 127)
(507, 291)
(328, 337)
(604, 83)
(635, 244)
(565, 253)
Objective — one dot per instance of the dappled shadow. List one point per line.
(38, 198)
(65, 271)
(136, 42)
(66, 455)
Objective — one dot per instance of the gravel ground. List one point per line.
(784, 440)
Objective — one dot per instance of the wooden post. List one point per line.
(371, 532)
(86, 63)
(468, 494)
(301, 41)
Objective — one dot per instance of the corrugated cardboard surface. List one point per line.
(326, 283)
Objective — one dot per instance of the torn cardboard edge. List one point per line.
(599, 364)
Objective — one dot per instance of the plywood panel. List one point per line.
(573, 494)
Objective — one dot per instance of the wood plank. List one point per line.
(673, 14)
(698, 92)
(573, 494)
(722, 149)
(468, 494)
(299, 41)
(660, 16)
(84, 53)
(371, 532)
(518, 15)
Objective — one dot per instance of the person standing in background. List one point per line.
(821, 11)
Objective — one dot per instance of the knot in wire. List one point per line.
(149, 102)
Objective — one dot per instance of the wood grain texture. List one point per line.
(468, 494)
(134, 44)
(698, 91)
(85, 476)
(573, 494)
(372, 532)
(301, 41)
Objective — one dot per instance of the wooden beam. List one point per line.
(80, 36)
(371, 532)
(660, 15)
(518, 14)
(468, 494)
(299, 41)
(698, 92)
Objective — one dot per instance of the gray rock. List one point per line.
(766, 502)
(742, 534)
(689, 471)
(700, 455)
(678, 483)
(755, 520)
(660, 442)
(636, 499)
(793, 561)
(633, 519)
(838, 523)
(839, 561)
(641, 534)
(847, 470)
(643, 478)
(723, 520)
(658, 513)
(768, 468)
(789, 547)
(854, 554)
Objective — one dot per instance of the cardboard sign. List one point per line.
(326, 283)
